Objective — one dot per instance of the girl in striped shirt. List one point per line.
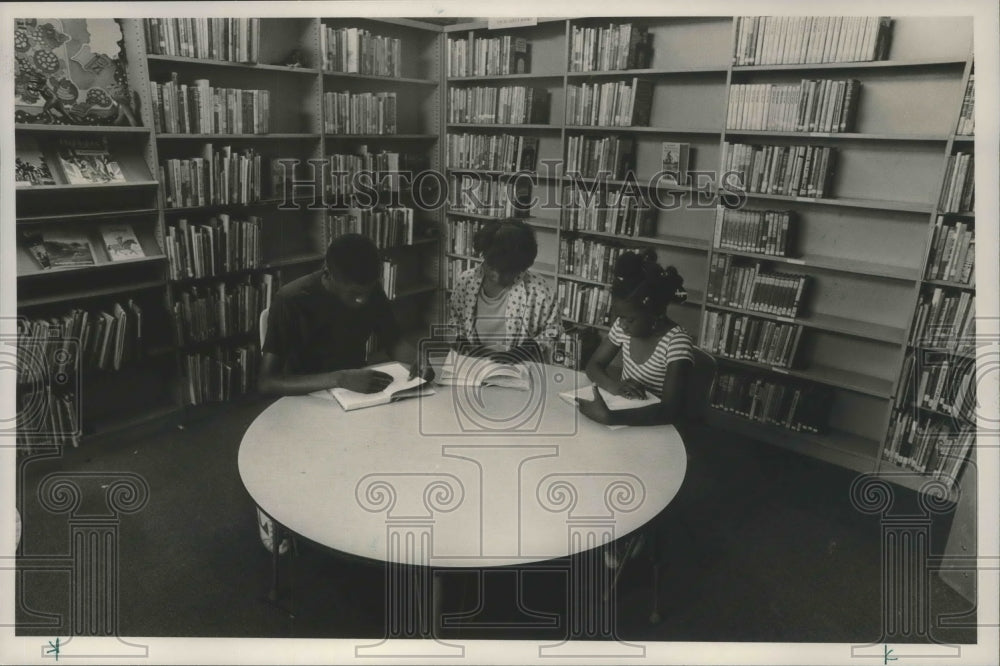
(656, 351)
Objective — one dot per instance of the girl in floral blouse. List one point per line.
(499, 307)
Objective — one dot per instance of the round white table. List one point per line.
(478, 477)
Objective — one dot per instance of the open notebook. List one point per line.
(614, 402)
(461, 370)
(401, 387)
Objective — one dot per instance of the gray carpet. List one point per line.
(759, 545)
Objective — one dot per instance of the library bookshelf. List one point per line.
(863, 245)
(866, 245)
(286, 241)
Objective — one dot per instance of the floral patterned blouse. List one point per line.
(531, 309)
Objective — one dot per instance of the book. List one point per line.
(401, 387)
(614, 402)
(87, 162)
(67, 248)
(121, 243)
(36, 246)
(30, 166)
(674, 161)
(462, 370)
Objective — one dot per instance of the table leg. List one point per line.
(276, 535)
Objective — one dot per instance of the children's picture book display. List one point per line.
(68, 248)
(30, 164)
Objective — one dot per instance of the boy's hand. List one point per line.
(596, 409)
(422, 369)
(364, 380)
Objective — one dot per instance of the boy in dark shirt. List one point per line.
(317, 326)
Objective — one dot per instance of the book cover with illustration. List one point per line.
(31, 167)
(71, 72)
(68, 248)
(88, 162)
(121, 242)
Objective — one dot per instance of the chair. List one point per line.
(265, 525)
(695, 406)
(263, 328)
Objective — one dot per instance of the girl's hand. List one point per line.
(632, 389)
(596, 409)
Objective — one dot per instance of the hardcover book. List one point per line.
(674, 161)
(88, 162)
(68, 248)
(30, 166)
(36, 246)
(121, 243)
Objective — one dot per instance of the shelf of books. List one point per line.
(817, 262)
(90, 263)
(584, 151)
(932, 425)
(381, 122)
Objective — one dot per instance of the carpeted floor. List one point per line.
(759, 545)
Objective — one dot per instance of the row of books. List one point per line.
(928, 445)
(798, 406)
(583, 303)
(386, 227)
(390, 271)
(219, 375)
(462, 234)
(612, 156)
(488, 56)
(376, 171)
(231, 39)
(359, 113)
(493, 152)
(221, 176)
(945, 319)
(952, 255)
(760, 231)
(199, 108)
(358, 51)
(749, 288)
(483, 196)
(219, 246)
(619, 46)
(454, 267)
(747, 338)
(611, 104)
(967, 116)
(939, 382)
(822, 105)
(78, 161)
(220, 310)
(959, 192)
(588, 259)
(71, 248)
(46, 417)
(804, 171)
(79, 340)
(606, 211)
(789, 40)
(510, 105)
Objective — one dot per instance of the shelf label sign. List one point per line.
(511, 22)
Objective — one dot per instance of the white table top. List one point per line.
(490, 477)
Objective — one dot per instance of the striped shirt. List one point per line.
(675, 345)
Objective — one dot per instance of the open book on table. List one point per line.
(614, 402)
(401, 387)
(462, 370)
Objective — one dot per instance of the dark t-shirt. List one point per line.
(313, 331)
